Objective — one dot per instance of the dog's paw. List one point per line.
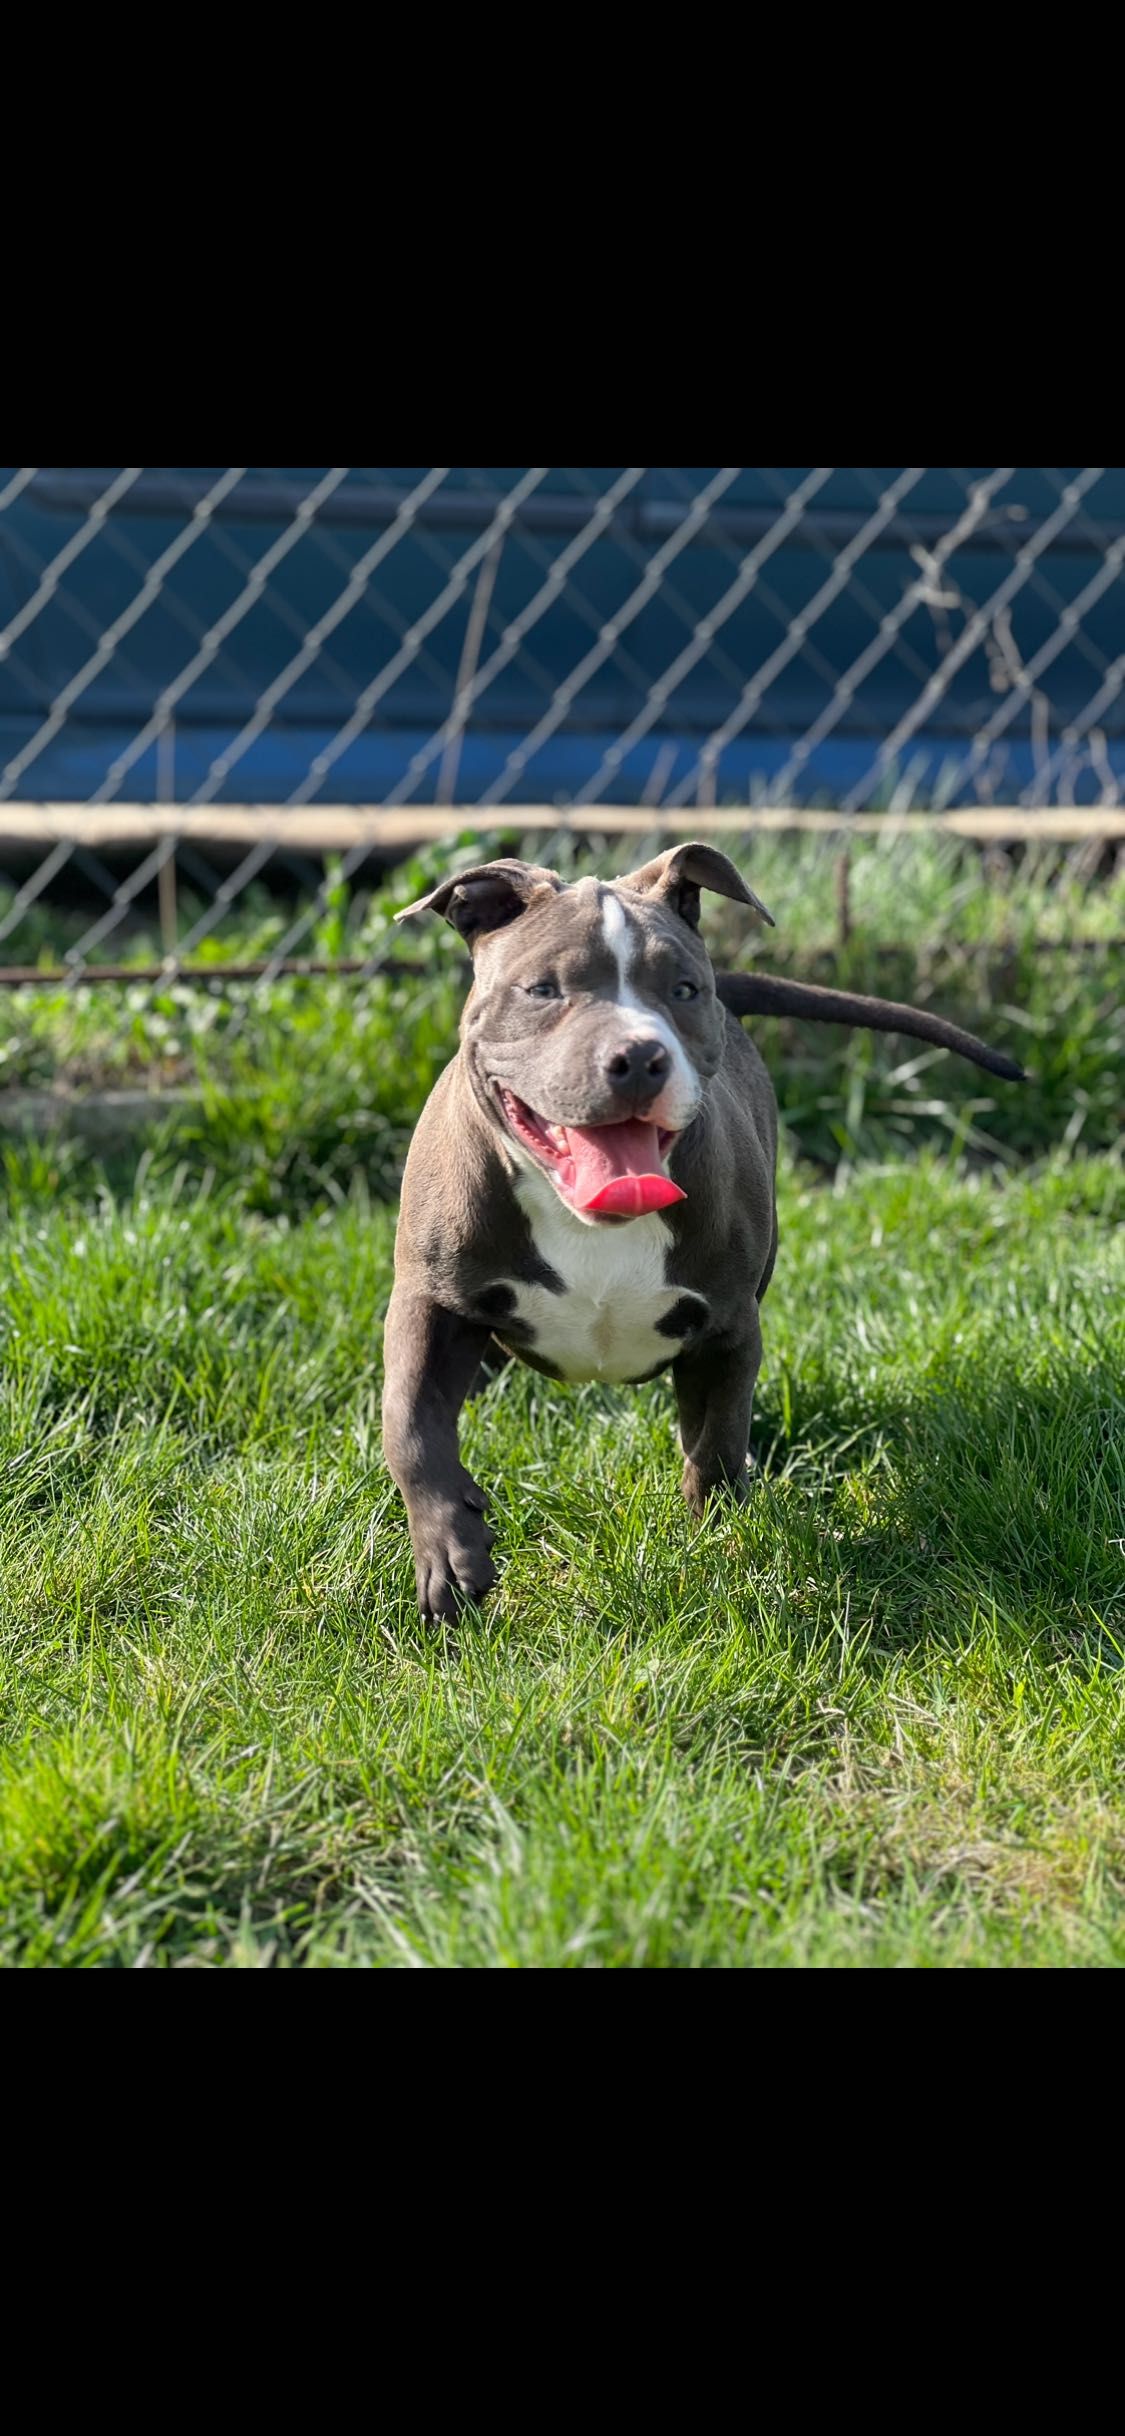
(451, 1560)
(707, 1491)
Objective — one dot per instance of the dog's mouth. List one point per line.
(604, 1171)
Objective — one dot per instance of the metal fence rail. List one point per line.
(679, 640)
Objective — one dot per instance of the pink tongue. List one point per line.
(617, 1169)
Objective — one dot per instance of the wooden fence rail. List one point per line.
(338, 828)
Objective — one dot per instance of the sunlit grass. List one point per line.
(873, 1718)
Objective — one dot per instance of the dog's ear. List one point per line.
(677, 877)
(485, 898)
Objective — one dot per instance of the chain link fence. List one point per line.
(202, 671)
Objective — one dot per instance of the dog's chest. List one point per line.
(606, 1322)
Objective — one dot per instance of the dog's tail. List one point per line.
(768, 994)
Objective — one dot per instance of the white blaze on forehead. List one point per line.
(680, 1097)
(617, 935)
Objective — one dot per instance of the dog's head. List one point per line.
(592, 1028)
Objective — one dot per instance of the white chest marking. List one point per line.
(604, 1325)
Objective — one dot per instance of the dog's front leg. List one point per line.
(715, 1396)
(432, 1357)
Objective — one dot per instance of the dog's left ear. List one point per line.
(486, 898)
(677, 877)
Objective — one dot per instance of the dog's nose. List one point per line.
(640, 1070)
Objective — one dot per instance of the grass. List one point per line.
(875, 1718)
(305, 1084)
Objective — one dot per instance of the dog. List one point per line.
(591, 1181)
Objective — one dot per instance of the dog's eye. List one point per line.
(541, 989)
(684, 989)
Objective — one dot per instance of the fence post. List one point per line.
(844, 896)
(166, 876)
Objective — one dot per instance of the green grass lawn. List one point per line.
(876, 1717)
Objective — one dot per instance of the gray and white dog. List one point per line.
(591, 1182)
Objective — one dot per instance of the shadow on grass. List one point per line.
(910, 1511)
(1007, 1492)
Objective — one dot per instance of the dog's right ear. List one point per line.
(486, 898)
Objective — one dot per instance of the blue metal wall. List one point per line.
(106, 575)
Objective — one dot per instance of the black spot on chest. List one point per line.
(686, 1317)
(488, 1296)
(496, 1305)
